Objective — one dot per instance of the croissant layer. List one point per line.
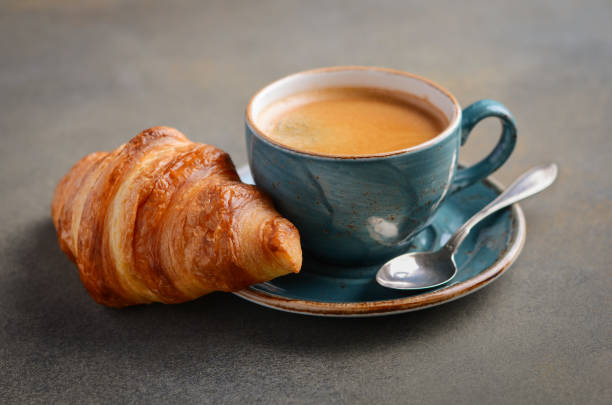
(164, 219)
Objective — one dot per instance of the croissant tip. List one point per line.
(283, 241)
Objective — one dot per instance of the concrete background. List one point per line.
(80, 76)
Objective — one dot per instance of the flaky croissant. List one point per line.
(163, 219)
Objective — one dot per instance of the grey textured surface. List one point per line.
(82, 76)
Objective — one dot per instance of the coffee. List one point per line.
(351, 121)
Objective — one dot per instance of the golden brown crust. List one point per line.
(163, 219)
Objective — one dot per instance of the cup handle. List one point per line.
(472, 115)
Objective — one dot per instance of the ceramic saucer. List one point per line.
(327, 290)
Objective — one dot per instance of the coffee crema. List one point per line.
(351, 121)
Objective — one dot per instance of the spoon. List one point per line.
(421, 270)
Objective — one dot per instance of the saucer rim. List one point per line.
(406, 304)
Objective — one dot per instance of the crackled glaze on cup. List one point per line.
(361, 210)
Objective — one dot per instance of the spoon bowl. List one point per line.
(405, 272)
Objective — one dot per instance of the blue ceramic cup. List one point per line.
(363, 210)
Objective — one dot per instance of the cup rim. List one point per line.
(432, 142)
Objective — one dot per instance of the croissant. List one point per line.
(164, 219)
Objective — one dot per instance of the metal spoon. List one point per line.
(416, 271)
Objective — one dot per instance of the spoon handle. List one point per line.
(530, 183)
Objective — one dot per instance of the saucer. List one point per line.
(326, 290)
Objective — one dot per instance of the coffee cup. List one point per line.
(364, 209)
